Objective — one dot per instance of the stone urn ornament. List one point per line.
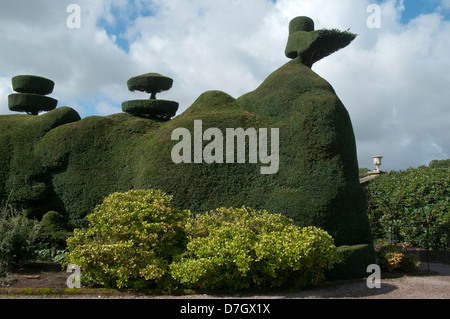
(377, 163)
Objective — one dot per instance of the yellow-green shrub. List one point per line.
(131, 240)
(234, 249)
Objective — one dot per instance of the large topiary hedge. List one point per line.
(70, 168)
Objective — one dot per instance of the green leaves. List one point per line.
(406, 205)
(136, 240)
(131, 240)
(235, 249)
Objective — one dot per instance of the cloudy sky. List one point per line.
(394, 79)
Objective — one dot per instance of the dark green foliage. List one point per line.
(18, 237)
(412, 206)
(32, 84)
(53, 232)
(153, 109)
(31, 103)
(22, 178)
(31, 98)
(354, 262)
(106, 155)
(150, 83)
(305, 24)
(317, 183)
(440, 163)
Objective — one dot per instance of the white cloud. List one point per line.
(392, 80)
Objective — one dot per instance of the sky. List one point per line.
(393, 79)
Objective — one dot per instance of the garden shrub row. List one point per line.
(411, 206)
(136, 240)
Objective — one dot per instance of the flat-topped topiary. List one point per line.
(32, 84)
(155, 109)
(31, 97)
(31, 103)
(151, 83)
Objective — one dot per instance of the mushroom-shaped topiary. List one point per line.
(151, 83)
(31, 97)
(311, 46)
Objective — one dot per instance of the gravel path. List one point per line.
(435, 286)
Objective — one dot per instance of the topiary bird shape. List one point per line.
(311, 46)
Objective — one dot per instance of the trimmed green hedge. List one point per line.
(354, 262)
(411, 206)
(32, 84)
(31, 103)
(155, 109)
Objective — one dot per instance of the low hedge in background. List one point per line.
(353, 262)
(411, 206)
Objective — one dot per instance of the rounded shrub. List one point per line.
(233, 249)
(131, 240)
(32, 84)
(393, 258)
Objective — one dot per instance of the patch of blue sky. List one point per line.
(123, 17)
(414, 8)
